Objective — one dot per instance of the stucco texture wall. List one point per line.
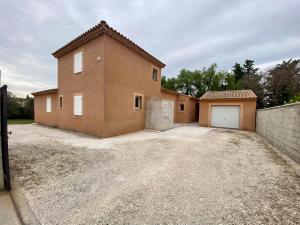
(189, 114)
(281, 127)
(40, 114)
(89, 83)
(126, 74)
(247, 113)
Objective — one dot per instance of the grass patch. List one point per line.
(19, 121)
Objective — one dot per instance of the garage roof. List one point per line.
(45, 92)
(229, 95)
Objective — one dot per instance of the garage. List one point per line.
(234, 109)
(225, 116)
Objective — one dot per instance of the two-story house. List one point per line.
(104, 82)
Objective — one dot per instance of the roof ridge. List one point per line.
(104, 28)
(229, 95)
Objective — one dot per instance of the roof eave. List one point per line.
(228, 99)
(45, 92)
(101, 29)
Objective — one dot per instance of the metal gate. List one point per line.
(4, 136)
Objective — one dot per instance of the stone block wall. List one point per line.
(281, 127)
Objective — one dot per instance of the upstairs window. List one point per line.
(181, 107)
(77, 103)
(154, 74)
(48, 104)
(78, 62)
(138, 102)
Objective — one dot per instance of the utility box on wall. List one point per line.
(160, 114)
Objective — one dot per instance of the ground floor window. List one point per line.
(48, 104)
(138, 102)
(60, 102)
(181, 107)
(77, 103)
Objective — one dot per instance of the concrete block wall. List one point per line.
(280, 126)
(160, 114)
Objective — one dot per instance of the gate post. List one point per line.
(4, 137)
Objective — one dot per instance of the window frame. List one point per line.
(75, 72)
(180, 104)
(141, 107)
(154, 69)
(48, 104)
(60, 102)
(74, 101)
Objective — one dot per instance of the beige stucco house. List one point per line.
(104, 83)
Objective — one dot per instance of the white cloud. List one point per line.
(183, 34)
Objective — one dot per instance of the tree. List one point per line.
(212, 79)
(185, 82)
(169, 83)
(238, 71)
(19, 108)
(247, 77)
(282, 82)
(248, 68)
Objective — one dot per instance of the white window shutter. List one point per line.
(48, 104)
(78, 62)
(77, 105)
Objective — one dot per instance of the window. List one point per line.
(48, 104)
(138, 102)
(154, 74)
(78, 62)
(181, 107)
(77, 103)
(60, 102)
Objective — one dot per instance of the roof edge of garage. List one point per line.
(46, 92)
(230, 95)
(168, 91)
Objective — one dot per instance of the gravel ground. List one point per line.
(187, 175)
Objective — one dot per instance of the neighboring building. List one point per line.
(229, 109)
(104, 82)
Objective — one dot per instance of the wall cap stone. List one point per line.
(280, 106)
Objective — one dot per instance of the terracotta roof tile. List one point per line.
(98, 30)
(228, 95)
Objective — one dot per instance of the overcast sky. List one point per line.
(183, 34)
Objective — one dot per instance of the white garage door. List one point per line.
(225, 116)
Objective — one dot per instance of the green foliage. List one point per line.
(19, 108)
(282, 82)
(169, 83)
(295, 99)
(238, 71)
(197, 82)
(184, 83)
(276, 86)
(19, 121)
(249, 69)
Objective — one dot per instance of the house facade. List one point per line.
(104, 82)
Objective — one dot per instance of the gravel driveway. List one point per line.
(187, 175)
